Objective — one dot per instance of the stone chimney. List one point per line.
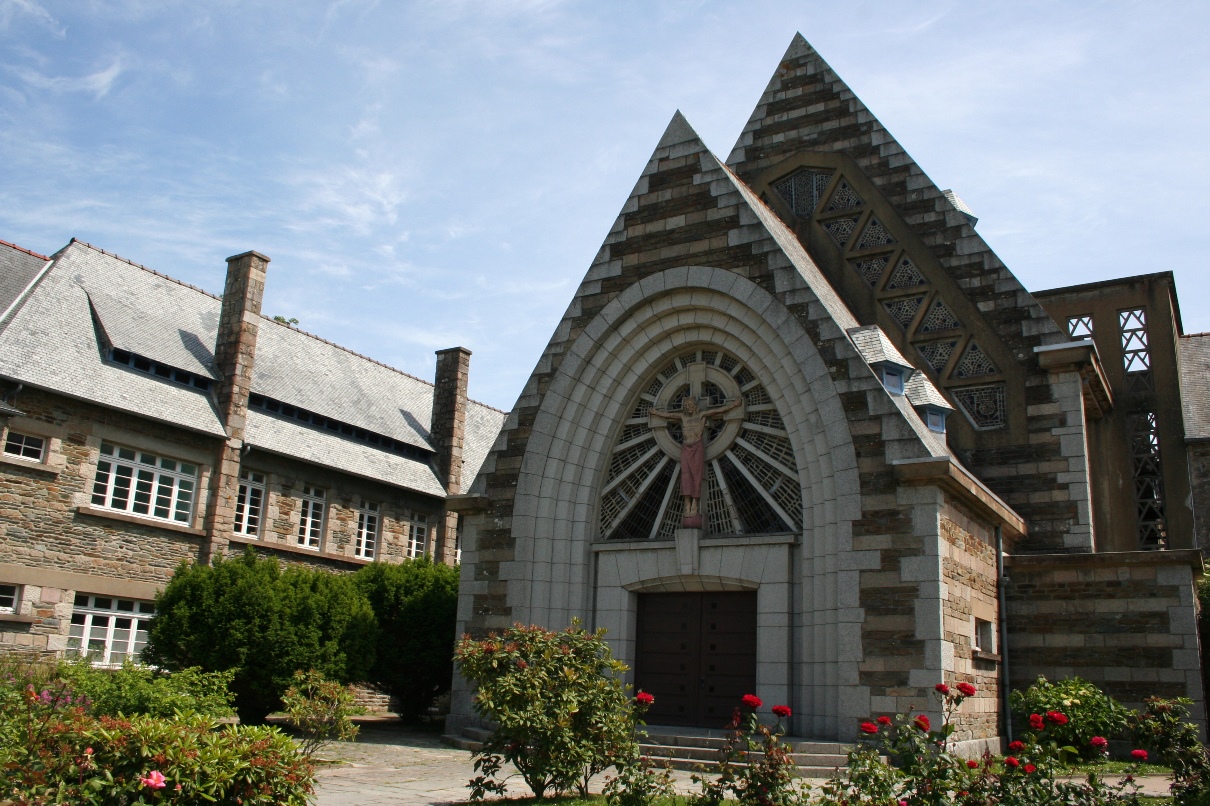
(234, 354)
(447, 433)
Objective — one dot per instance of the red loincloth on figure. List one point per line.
(693, 465)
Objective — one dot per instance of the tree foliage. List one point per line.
(416, 604)
(248, 615)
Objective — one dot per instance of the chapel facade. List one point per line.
(801, 433)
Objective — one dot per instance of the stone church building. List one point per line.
(800, 432)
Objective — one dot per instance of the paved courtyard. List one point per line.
(392, 765)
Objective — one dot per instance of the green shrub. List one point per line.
(320, 710)
(249, 616)
(561, 711)
(1087, 710)
(416, 605)
(143, 690)
(53, 751)
(1162, 728)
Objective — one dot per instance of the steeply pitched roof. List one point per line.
(90, 298)
(18, 268)
(1195, 384)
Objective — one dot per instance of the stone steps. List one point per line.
(687, 749)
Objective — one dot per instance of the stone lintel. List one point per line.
(75, 581)
(467, 502)
(1082, 357)
(1190, 557)
(956, 480)
(299, 550)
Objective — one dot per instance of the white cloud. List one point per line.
(11, 10)
(98, 83)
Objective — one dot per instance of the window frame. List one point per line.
(15, 607)
(250, 481)
(416, 523)
(86, 610)
(138, 468)
(369, 530)
(309, 498)
(40, 459)
(984, 636)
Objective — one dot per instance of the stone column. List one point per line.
(234, 355)
(448, 432)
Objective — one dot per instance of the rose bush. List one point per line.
(1085, 710)
(755, 766)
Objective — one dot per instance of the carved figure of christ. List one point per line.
(693, 450)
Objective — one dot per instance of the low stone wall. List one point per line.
(371, 699)
(1126, 621)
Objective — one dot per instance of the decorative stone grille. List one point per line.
(974, 363)
(1148, 479)
(844, 198)
(870, 269)
(875, 234)
(803, 189)
(937, 353)
(906, 275)
(939, 318)
(984, 405)
(841, 230)
(904, 310)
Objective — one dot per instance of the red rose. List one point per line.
(752, 701)
(884, 720)
(868, 727)
(1036, 722)
(1016, 747)
(1030, 768)
(922, 722)
(942, 688)
(1138, 755)
(1099, 742)
(782, 711)
(1009, 761)
(974, 765)
(643, 698)
(966, 689)
(1056, 717)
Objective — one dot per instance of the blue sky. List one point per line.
(425, 174)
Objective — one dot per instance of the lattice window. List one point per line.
(312, 504)
(1136, 351)
(655, 386)
(1080, 327)
(776, 448)
(903, 310)
(870, 269)
(768, 418)
(802, 190)
(144, 484)
(1148, 479)
(875, 234)
(727, 363)
(628, 456)
(249, 503)
(906, 275)
(841, 230)
(939, 318)
(108, 630)
(638, 523)
(368, 521)
(25, 446)
(937, 353)
(985, 405)
(974, 363)
(669, 371)
(754, 511)
(757, 396)
(845, 198)
(416, 529)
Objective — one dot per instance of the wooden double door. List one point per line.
(696, 654)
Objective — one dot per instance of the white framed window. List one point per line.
(9, 598)
(144, 484)
(458, 542)
(985, 636)
(892, 379)
(108, 630)
(249, 503)
(418, 534)
(25, 446)
(313, 505)
(367, 530)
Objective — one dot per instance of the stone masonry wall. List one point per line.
(1126, 621)
(1199, 483)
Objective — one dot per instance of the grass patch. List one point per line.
(1119, 768)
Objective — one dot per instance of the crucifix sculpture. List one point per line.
(693, 422)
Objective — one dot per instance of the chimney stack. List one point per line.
(447, 432)
(234, 354)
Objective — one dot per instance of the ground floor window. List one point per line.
(8, 598)
(417, 525)
(367, 530)
(249, 503)
(312, 505)
(109, 630)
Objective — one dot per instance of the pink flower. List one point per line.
(782, 711)
(1016, 747)
(941, 688)
(1099, 742)
(643, 698)
(1010, 761)
(752, 701)
(966, 689)
(154, 780)
(923, 723)
(88, 751)
(974, 765)
(884, 720)
(1138, 755)
(868, 727)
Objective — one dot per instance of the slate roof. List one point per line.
(18, 268)
(1195, 384)
(876, 348)
(90, 297)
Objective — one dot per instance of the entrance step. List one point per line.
(693, 749)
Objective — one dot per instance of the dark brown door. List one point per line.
(696, 654)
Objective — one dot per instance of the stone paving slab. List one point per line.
(404, 767)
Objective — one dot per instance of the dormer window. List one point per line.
(892, 379)
(934, 418)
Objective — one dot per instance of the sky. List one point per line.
(435, 173)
